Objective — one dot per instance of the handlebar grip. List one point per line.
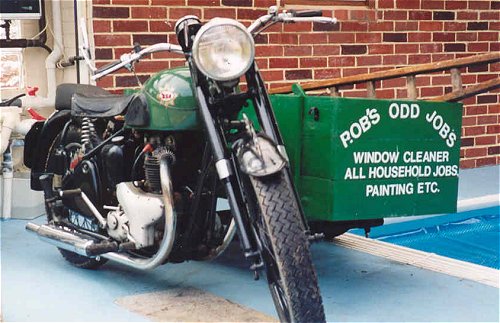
(107, 66)
(307, 13)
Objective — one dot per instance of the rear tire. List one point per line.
(290, 271)
(71, 257)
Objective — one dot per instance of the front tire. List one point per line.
(289, 268)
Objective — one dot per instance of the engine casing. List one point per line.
(142, 211)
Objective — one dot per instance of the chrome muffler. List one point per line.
(62, 239)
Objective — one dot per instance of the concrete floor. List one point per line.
(38, 285)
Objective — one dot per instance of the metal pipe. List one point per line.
(60, 238)
(24, 43)
(75, 243)
(77, 62)
(168, 235)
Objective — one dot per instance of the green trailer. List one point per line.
(356, 160)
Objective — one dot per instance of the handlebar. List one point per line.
(127, 59)
(255, 28)
(306, 13)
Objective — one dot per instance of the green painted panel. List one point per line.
(363, 159)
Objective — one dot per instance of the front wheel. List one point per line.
(290, 273)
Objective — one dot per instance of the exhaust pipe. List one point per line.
(62, 239)
(87, 247)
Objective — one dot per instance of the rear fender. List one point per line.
(40, 141)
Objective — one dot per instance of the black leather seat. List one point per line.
(65, 92)
(103, 107)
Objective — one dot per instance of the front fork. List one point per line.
(226, 176)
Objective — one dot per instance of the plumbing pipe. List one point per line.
(24, 43)
(9, 119)
(7, 175)
(50, 63)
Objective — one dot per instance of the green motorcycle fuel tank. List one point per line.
(170, 101)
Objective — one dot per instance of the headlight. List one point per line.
(223, 49)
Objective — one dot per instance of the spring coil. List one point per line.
(87, 133)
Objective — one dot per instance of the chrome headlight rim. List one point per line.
(215, 22)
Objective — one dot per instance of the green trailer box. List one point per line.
(356, 159)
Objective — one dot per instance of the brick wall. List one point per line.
(382, 35)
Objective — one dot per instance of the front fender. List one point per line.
(38, 142)
(260, 157)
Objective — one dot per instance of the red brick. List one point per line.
(101, 26)
(408, 4)
(493, 129)
(478, 47)
(456, 4)
(395, 15)
(431, 26)
(299, 50)
(420, 15)
(209, 13)
(325, 50)
(406, 25)
(313, 38)
(443, 37)
(433, 4)
(341, 61)
(475, 152)
(112, 40)
(419, 37)
(149, 12)
(340, 38)
(298, 74)
(486, 140)
(353, 26)
(381, 49)
(313, 62)
(381, 26)
(406, 48)
(482, 5)
(283, 38)
(110, 12)
(395, 60)
(468, 163)
(470, 36)
(130, 25)
(283, 62)
(382, 4)
(239, 3)
(369, 60)
(455, 26)
(486, 161)
(419, 59)
(176, 13)
(469, 121)
(368, 37)
(326, 73)
(467, 15)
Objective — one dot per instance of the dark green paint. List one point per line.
(178, 113)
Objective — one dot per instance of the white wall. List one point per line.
(34, 73)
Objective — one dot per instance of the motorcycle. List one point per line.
(140, 179)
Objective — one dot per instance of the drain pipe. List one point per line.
(50, 63)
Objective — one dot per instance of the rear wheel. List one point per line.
(290, 273)
(72, 145)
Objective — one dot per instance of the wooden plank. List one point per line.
(411, 84)
(398, 72)
(469, 91)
